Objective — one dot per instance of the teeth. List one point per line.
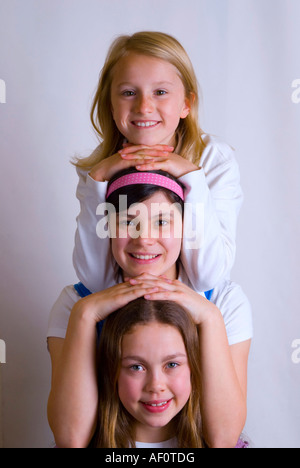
(159, 404)
(145, 124)
(144, 257)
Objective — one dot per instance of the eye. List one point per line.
(172, 365)
(128, 93)
(161, 222)
(160, 92)
(137, 368)
(127, 222)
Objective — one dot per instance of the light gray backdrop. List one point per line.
(246, 55)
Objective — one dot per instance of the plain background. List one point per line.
(246, 56)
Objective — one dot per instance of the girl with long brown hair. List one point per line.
(149, 378)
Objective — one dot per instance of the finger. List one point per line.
(132, 163)
(143, 277)
(155, 283)
(137, 156)
(161, 296)
(149, 154)
(152, 166)
(136, 148)
(137, 292)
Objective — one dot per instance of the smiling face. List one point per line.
(148, 238)
(155, 379)
(147, 100)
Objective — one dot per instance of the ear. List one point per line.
(188, 102)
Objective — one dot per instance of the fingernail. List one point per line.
(133, 281)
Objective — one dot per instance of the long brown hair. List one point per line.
(154, 44)
(115, 425)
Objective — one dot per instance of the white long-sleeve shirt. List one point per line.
(214, 197)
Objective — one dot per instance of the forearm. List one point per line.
(73, 400)
(90, 244)
(212, 204)
(223, 401)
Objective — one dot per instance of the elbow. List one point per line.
(224, 441)
(69, 442)
(227, 435)
(69, 438)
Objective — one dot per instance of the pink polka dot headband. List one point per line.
(148, 178)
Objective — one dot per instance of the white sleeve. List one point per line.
(92, 257)
(60, 313)
(236, 311)
(213, 201)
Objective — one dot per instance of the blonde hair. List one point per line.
(115, 425)
(162, 46)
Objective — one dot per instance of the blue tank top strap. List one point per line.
(208, 294)
(84, 292)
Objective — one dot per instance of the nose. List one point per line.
(155, 383)
(144, 104)
(143, 233)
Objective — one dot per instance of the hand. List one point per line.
(158, 157)
(173, 290)
(98, 306)
(108, 167)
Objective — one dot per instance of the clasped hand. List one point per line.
(100, 305)
(143, 158)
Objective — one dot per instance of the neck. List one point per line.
(154, 435)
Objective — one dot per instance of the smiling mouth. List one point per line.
(145, 123)
(144, 257)
(157, 407)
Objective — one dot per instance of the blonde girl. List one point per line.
(145, 113)
(187, 134)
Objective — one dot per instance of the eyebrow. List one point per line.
(166, 358)
(133, 216)
(156, 83)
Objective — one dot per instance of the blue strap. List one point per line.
(208, 294)
(83, 292)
